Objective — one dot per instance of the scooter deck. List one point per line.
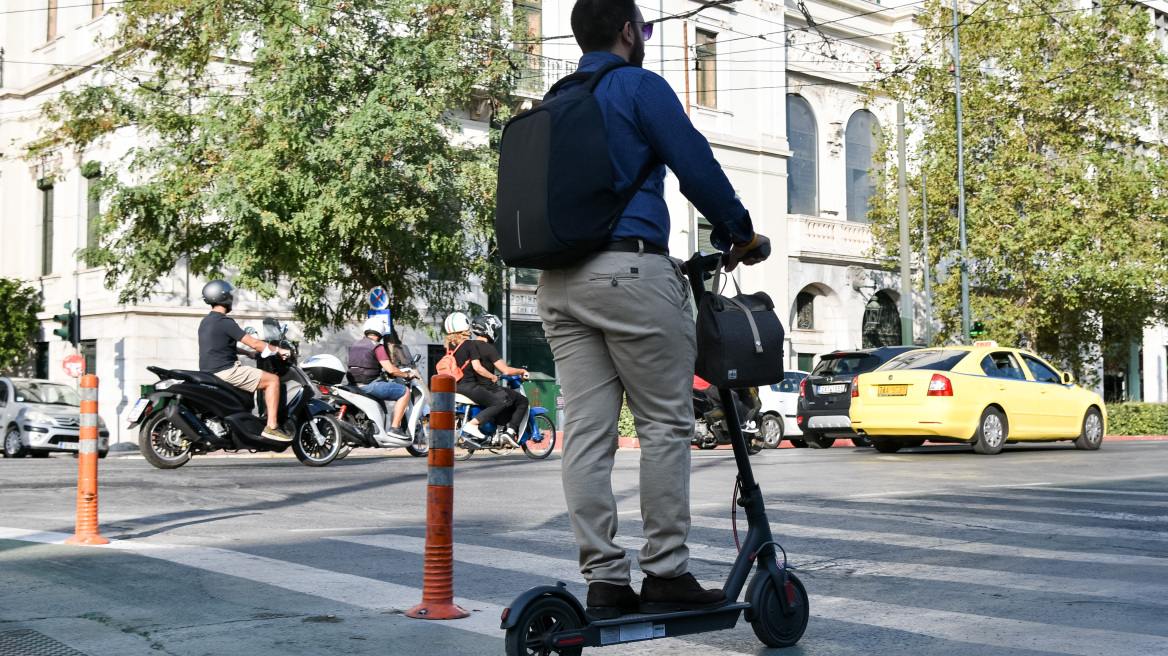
(641, 626)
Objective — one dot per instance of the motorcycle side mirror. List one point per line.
(417, 358)
(284, 330)
(251, 331)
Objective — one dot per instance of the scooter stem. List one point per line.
(737, 441)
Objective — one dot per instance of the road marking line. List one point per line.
(938, 544)
(980, 523)
(1102, 502)
(1096, 514)
(1133, 492)
(993, 631)
(1106, 588)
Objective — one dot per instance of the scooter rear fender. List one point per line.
(511, 614)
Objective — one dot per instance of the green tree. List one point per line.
(18, 322)
(1066, 190)
(317, 143)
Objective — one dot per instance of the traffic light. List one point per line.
(977, 329)
(70, 321)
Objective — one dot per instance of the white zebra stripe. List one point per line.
(1020, 507)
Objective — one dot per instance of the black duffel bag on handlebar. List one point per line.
(740, 339)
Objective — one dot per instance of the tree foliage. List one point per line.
(19, 327)
(308, 142)
(1066, 190)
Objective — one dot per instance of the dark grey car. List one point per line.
(826, 395)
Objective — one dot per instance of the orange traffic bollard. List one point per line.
(438, 578)
(87, 467)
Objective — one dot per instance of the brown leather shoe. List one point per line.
(661, 595)
(607, 601)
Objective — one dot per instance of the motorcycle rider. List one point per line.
(479, 383)
(218, 354)
(367, 359)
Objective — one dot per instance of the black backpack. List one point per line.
(557, 198)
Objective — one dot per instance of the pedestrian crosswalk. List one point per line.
(1021, 571)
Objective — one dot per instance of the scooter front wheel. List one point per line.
(542, 618)
(318, 440)
(771, 626)
(421, 444)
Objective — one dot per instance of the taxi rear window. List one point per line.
(943, 360)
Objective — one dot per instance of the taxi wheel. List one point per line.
(1091, 437)
(992, 432)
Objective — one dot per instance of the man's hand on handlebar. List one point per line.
(759, 250)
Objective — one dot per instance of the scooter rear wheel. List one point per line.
(770, 625)
(542, 618)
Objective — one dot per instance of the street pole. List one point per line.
(961, 183)
(906, 288)
(925, 262)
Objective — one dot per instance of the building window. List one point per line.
(92, 209)
(46, 188)
(860, 149)
(805, 311)
(89, 353)
(42, 361)
(806, 361)
(707, 69)
(802, 165)
(51, 28)
(881, 322)
(98, 7)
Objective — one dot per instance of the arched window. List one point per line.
(802, 166)
(805, 311)
(881, 322)
(860, 149)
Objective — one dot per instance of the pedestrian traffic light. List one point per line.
(977, 329)
(70, 321)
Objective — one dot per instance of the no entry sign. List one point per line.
(74, 366)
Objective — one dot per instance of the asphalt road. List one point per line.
(1039, 550)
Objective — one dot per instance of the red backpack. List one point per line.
(449, 366)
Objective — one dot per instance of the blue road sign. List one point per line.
(378, 299)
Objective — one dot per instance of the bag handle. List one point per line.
(737, 303)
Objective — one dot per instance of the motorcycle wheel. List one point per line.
(309, 449)
(545, 431)
(162, 444)
(421, 443)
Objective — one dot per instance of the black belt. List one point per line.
(634, 246)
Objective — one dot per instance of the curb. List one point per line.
(634, 443)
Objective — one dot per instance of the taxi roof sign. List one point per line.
(985, 342)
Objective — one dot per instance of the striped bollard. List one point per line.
(438, 579)
(87, 467)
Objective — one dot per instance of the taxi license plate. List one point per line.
(833, 389)
(69, 446)
(138, 409)
(892, 390)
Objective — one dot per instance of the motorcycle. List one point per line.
(537, 432)
(370, 417)
(710, 430)
(192, 413)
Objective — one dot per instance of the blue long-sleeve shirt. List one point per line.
(643, 119)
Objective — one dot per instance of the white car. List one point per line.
(39, 417)
(779, 408)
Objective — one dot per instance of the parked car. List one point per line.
(780, 405)
(40, 417)
(826, 395)
(984, 395)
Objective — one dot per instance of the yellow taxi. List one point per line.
(985, 395)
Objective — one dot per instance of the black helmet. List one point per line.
(486, 325)
(218, 292)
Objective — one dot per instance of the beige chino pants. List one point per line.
(621, 324)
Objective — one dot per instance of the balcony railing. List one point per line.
(829, 238)
(535, 74)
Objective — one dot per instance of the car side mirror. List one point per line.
(1068, 379)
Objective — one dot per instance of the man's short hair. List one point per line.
(596, 24)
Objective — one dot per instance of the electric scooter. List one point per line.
(550, 620)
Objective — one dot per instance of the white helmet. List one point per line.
(376, 324)
(457, 322)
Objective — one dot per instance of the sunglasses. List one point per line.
(646, 30)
